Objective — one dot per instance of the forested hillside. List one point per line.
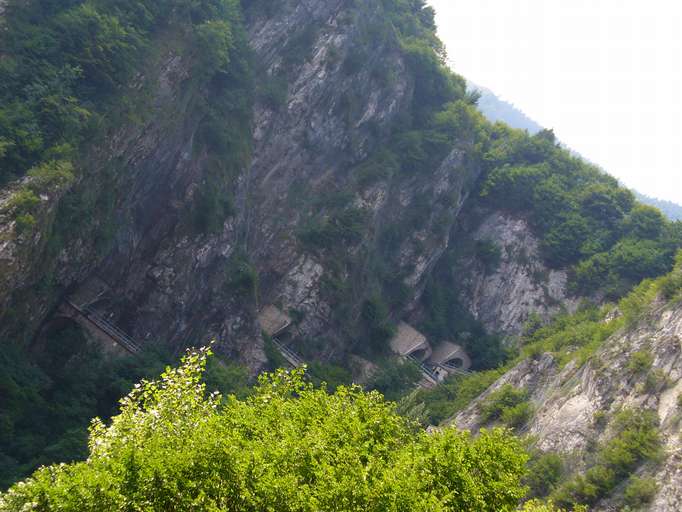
(175, 172)
(496, 109)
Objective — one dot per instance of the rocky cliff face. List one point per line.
(515, 284)
(164, 282)
(574, 404)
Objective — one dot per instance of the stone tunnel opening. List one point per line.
(419, 354)
(455, 362)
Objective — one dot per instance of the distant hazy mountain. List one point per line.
(496, 109)
(672, 210)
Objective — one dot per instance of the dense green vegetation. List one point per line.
(63, 63)
(65, 81)
(584, 218)
(50, 395)
(507, 405)
(635, 440)
(288, 447)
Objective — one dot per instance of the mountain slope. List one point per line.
(578, 403)
(317, 157)
(495, 109)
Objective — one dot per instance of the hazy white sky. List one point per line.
(605, 74)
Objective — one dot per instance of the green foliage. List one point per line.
(50, 395)
(48, 401)
(582, 216)
(214, 45)
(572, 336)
(645, 222)
(381, 166)
(517, 416)
(508, 405)
(635, 440)
(23, 201)
(25, 223)
(51, 175)
(640, 491)
(545, 470)
(376, 324)
(640, 362)
(638, 301)
(241, 278)
(627, 263)
(671, 285)
(287, 447)
(227, 377)
(330, 375)
(447, 318)
(549, 506)
(211, 208)
(275, 358)
(395, 378)
(490, 254)
(454, 394)
(273, 91)
(337, 229)
(65, 64)
(600, 419)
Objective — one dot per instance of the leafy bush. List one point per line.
(241, 277)
(376, 324)
(286, 447)
(518, 415)
(447, 318)
(25, 223)
(395, 378)
(549, 506)
(214, 45)
(273, 91)
(635, 440)
(582, 216)
(507, 404)
(545, 470)
(380, 166)
(455, 394)
(490, 254)
(343, 227)
(672, 283)
(49, 397)
(640, 491)
(212, 207)
(331, 375)
(640, 362)
(23, 201)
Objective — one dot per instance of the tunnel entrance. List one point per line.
(455, 363)
(419, 354)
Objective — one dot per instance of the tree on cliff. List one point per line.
(289, 446)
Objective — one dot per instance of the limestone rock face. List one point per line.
(520, 284)
(167, 284)
(567, 399)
